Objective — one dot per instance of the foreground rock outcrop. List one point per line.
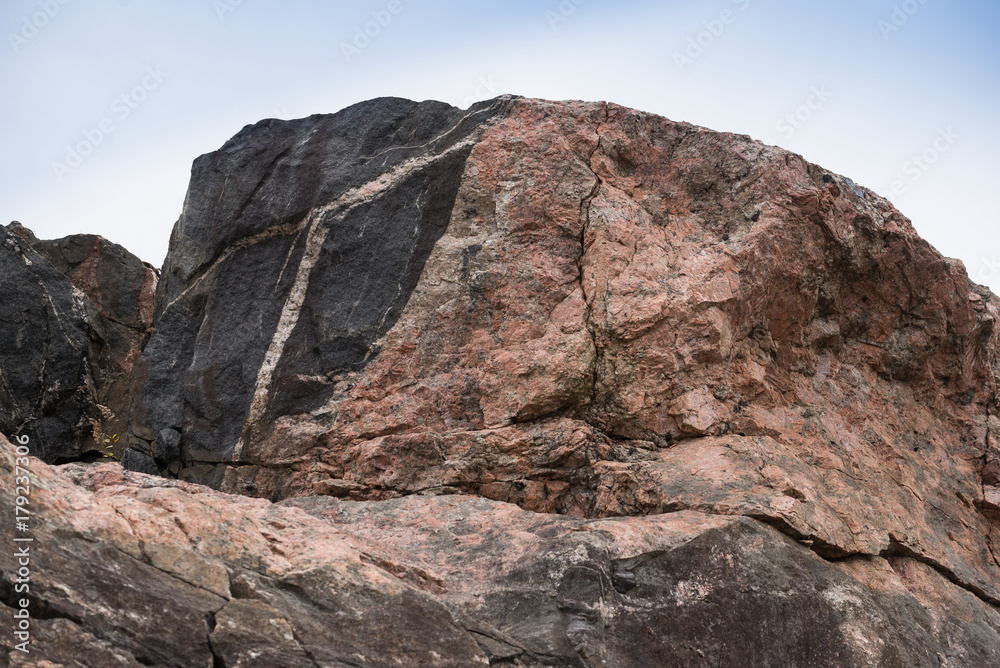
(75, 315)
(133, 570)
(533, 383)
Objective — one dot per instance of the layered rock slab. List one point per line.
(75, 315)
(131, 570)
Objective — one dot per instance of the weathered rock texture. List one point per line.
(580, 309)
(591, 387)
(133, 570)
(74, 317)
(298, 247)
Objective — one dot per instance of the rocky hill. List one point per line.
(531, 383)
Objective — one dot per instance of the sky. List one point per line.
(109, 101)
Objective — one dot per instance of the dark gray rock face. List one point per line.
(299, 244)
(45, 383)
(118, 283)
(74, 317)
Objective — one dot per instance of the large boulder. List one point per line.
(528, 384)
(74, 317)
(580, 309)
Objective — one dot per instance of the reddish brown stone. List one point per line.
(628, 315)
(631, 392)
(129, 570)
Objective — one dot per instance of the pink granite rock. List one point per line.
(627, 315)
(131, 570)
(542, 383)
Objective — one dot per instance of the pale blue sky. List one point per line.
(155, 84)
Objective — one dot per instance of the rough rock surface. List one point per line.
(533, 383)
(298, 247)
(74, 317)
(133, 570)
(580, 309)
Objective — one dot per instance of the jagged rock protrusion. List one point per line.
(74, 317)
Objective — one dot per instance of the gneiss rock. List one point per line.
(580, 309)
(43, 369)
(298, 246)
(121, 290)
(678, 589)
(74, 317)
(131, 570)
